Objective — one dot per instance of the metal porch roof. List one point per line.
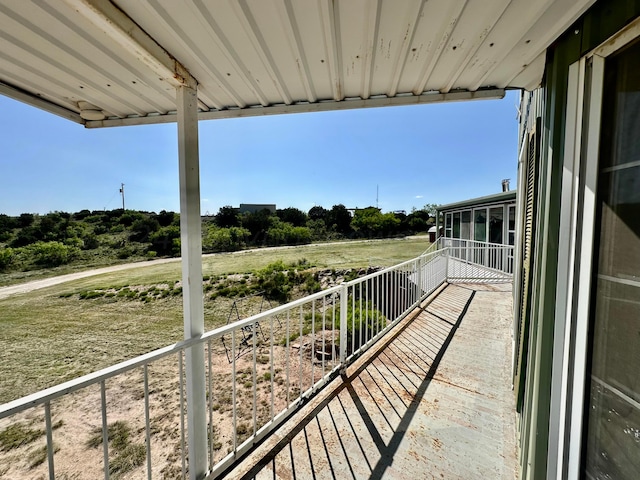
(124, 58)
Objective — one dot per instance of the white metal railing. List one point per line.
(494, 260)
(258, 370)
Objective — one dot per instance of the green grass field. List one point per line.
(47, 338)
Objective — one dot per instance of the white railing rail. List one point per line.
(260, 369)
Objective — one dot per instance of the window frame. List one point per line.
(571, 349)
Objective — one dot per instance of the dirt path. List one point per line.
(48, 282)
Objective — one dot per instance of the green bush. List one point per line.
(6, 258)
(361, 324)
(275, 282)
(52, 254)
(282, 233)
(164, 240)
(225, 239)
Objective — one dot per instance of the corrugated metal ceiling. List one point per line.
(253, 57)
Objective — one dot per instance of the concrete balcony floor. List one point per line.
(432, 400)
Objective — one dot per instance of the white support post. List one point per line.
(191, 247)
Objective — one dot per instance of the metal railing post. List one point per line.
(446, 263)
(419, 281)
(343, 325)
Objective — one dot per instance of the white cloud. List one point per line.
(419, 196)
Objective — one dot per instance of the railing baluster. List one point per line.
(343, 326)
(233, 389)
(272, 369)
(300, 356)
(353, 320)
(333, 327)
(324, 327)
(147, 421)
(255, 378)
(313, 342)
(105, 431)
(367, 289)
(182, 432)
(360, 316)
(50, 447)
(380, 309)
(211, 456)
(288, 358)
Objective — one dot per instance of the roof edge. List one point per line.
(495, 198)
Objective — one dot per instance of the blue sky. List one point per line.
(437, 153)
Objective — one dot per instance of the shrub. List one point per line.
(53, 254)
(143, 228)
(274, 280)
(225, 239)
(6, 258)
(361, 324)
(164, 240)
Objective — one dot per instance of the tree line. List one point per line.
(93, 238)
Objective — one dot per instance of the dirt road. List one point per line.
(48, 282)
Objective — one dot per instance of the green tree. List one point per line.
(7, 225)
(370, 222)
(418, 220)
(291, 215)
(26, 236)
(25, 219)
(318, 213)
(168, 218)
(227, 217)
(257, 223)
(339, 219)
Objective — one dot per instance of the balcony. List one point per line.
(398, 373)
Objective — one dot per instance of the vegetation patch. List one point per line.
(125, 455)
(17, 435)
(39, 455)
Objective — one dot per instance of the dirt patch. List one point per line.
(282, 371)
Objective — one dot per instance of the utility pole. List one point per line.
(376, 196)
(122, 192)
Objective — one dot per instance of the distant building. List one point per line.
(256, 207)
